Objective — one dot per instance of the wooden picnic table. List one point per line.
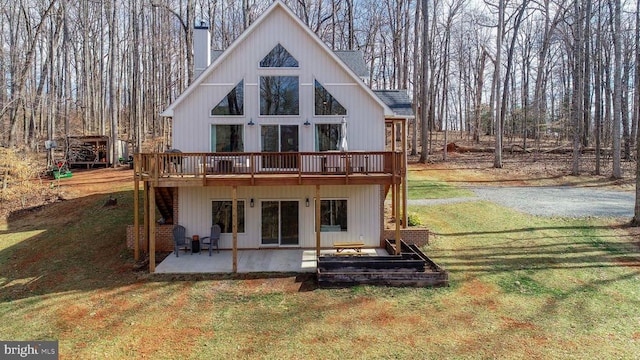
(356, 248)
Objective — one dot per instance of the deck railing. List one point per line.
(157, 165)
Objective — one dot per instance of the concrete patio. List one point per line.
(278, 260)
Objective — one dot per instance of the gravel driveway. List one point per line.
(552, 201)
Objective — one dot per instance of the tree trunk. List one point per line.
(586, 84)
(636, 212)
(503, 108)
(636, 103)
(624, 101)
(598, 92)
(424, 126)
(577, 103)
(113, 104)
(497, 162)
(617, 95)
(478, 100)
(417, 87)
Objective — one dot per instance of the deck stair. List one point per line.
(164, 203)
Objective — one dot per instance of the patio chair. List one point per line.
(214, 238)
(180, 239)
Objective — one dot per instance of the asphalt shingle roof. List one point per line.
(354, 59)
(396, 100)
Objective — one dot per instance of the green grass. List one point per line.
(522, 287)
(426, 187)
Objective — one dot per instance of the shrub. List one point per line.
(20, 186)
(413, 219)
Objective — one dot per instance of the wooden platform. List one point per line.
(411, 268)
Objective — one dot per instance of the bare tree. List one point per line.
(113, 106)
(416, 74)
(636, 212)
(19, 69)
(615, 10)
(577, 102)
(426, 95)
(598, 92)
(497, 161)
(187, 21)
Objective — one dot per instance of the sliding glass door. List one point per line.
(279, 139)
(280, 223)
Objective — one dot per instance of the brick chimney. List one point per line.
(201, 48)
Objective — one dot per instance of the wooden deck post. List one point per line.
(136, 210)
(234, 216)
(394, 174)
(396, 210)
(152, 229)
(203, 161)
(317, 206)
(145, 215)
(405, 216)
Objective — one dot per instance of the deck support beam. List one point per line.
(405, 217)
(136, 211)
(145, 233)
(396, 210)
(152, 229)
(317, 216)
(234, 216)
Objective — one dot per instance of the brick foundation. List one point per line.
(419, 237)
(164, 237)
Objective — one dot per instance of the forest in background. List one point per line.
(532, 70)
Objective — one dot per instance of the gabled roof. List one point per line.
(398, 101)
(277, 4)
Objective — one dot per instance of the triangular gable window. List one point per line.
(279, 57)
(232, 104)
(326, 104)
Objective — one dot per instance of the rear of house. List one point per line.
(279, 135)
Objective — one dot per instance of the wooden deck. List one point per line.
(254, 169)
(176, 169)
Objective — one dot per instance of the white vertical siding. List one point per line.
(192, 121)
(362, 206)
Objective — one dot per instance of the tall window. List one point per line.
(222, 214)
(279, 57)
(327, 136)
(326, 104)
(333, 215)
(227, 138)
(233, 103)
(279, 95)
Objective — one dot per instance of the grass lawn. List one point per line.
(425, 185)
(522, 287)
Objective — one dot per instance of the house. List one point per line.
(280, 142)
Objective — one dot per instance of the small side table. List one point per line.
(195, 244)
